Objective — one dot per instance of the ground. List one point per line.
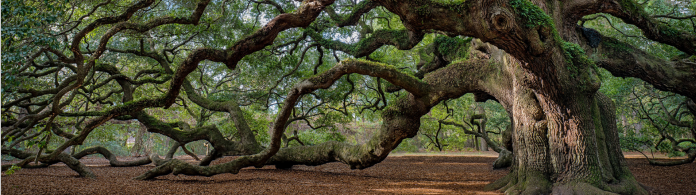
(458, 173)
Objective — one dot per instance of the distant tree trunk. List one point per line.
(125, 138)
(138, 145)
(471, 142)
(482, 126)
(483, 146)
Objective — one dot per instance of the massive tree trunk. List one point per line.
(563, 152)
(563, 140)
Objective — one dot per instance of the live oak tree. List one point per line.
(671, 118)
(96, 62)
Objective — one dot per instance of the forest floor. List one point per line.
(448, 173)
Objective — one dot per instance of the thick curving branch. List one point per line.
(411, 84)
(85, 72)
(691, 157)
(633, 13)
(63, 157)
(302, 17)
(322, 81)
(504, 156)
(401, 118)
(193, 19)
(401, 39)
(629, 61)
(353, 17)
(113, 161)
(248, 143)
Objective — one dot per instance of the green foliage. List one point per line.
(25, 29)
(350, 110)
(633, 143)
(451, 46)
(532, 14)
(631, 34)
(12, 170)
(572, 52)
(617, 45)
(317, 137)
(408, 145)
(459, 110)
(643, 116)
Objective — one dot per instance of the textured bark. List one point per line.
(322, 81)
(402, 118)
(138, 146)
(625, 60)
(46, 160)
(113, 161)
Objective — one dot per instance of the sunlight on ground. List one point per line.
(429, 191)
(415, 191)
(312, 183)
(433, 183)
(473, 154)
(451, 163)
(431, 187)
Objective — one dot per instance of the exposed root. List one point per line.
(190, 153)
(113, 161)
(534, 185)
(63, 157)
(691, 157)
(504, 160)
(209, 158)
(628, 185)
(511, 184)
(76, 165)
(73, 161)
(579, 188)
(176, 167)
(500, 183)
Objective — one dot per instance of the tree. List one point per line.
(669, 124)
(540, 65)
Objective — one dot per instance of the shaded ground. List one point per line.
(400, 174)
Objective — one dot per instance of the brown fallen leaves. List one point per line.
(396, 175)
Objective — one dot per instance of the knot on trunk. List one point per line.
(502, 20)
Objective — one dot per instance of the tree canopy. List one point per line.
(245, 76)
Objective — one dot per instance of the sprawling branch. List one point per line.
(504, 156)
(302, 17)
(322, 81)
(401, 39)
(113, 161)
(353, 17)
(633, 13)
(691, 157)
(401, 118)
(389, 73)
(625, 60)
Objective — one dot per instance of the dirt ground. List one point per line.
(398, 174)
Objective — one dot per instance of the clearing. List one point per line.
(398, 174)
